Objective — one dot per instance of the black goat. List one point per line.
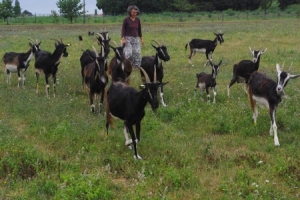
(19, 62)
(119, 67)
(204, 46)
(150, 62)
(95, 79)
(128, 104)
(265, 91)
(46, 63)
(88, 56)
(243, 70)
(206, 81)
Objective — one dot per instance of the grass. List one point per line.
(57, 149)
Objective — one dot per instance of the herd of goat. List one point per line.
(128, 103)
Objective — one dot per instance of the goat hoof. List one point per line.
(137, 157)
(128, 142)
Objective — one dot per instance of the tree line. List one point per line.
(116, 7)
(72, 9)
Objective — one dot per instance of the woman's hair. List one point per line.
(133, 7)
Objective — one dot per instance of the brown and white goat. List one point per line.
(95, 79)
(263, 90)
(119, 67)
(47, 63)
(89, 56)
(208, 81)
(19, 62)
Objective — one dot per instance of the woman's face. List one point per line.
(133, 13)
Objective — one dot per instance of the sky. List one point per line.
(44, 7)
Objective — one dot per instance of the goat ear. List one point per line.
(154, 46)
(250, 49)
(142, 86)
(164, 83)
(278, 68)
(294, 76)
(112, 47)
(220, 63)
(263, 51)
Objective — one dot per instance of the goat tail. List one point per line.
(109, 119)
(187, 44)
(250, 96)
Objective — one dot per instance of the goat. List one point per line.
(243, 69)
(95, 79)
(89, 56)
(90, 33)
(128, 104)
(119, 67)
(46, 63)
(265, 91)
(207, 81)
(150, 62)
(19, 62)
(204, 46)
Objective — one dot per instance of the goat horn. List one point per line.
(282, 66)
(156, 42)
(290, 68)
(154, 75)
(56, 40)
(146, 75)
(100, 35)
(97, 55)
(115, 43)
(31, 40)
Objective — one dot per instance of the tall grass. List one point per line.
(55, 148)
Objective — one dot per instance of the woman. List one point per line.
(131, 36)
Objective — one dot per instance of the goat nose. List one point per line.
(279, 88)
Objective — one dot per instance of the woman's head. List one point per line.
(133, 10)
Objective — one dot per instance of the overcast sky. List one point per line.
(44, 7)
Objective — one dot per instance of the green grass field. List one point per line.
(55, 148)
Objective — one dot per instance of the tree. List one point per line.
(70, 9)
(265, 5)
(283, 4)
(183, 5)
(6, 10)
(17, 8)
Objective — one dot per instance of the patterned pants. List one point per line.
(132, 50)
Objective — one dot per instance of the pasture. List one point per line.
(55, 148)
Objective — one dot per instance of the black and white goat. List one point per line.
(204, 46)
(150, 62)
(91, 33)
(208, 81)
(265, 91)
(95, 79)
(119, 67)
(47, 63)
(88, 56)
(19, 62)
(128, 104)
(243, 70)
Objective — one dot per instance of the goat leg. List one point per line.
(136, 155)
(54, 86)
